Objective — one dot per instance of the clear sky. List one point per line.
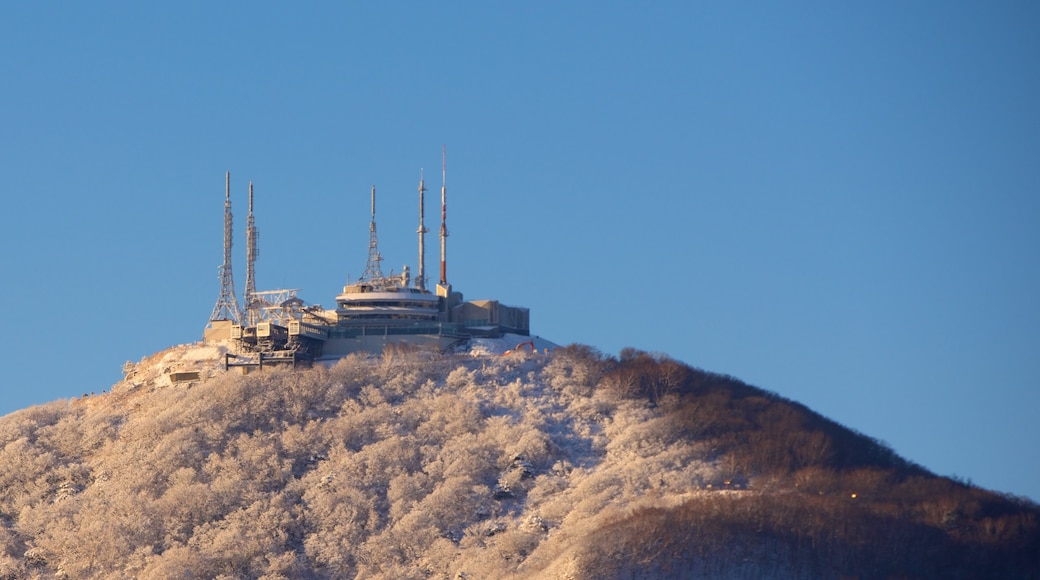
(838, 202)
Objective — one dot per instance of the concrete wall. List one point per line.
(216, 331)
(515, 318)
(492, 313)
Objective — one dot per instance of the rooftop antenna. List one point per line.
(372, 271)
(252, 252)
(227, 305)
(420, 279)
(444, 215)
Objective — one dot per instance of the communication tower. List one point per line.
(252, 252)
(372, 270)
(420, 279)
(444, 215)
(227, 305)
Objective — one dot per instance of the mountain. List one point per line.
(413, 464)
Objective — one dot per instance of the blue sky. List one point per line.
(839, 203)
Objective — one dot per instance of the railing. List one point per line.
(476, 322)
(440, 329)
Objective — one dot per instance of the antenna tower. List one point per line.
(420, 279)
(227, 305)
(372, 271)
(444, 215)
(252, 252)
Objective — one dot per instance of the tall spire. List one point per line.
(420, 278)
(444, 215)
(252, 252)
(372, 271)
(227, 305)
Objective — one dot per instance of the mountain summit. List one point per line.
(415, 464)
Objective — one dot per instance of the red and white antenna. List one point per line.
(444, 215)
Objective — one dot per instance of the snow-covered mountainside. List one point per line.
(567, 464)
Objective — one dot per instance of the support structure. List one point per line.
(276, 306)
(252, 252)
(372, 269)
(420, 279)
(246, 363)
(227, 304)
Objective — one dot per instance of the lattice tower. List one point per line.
(252, 252)
(372, 270)
(227, 305)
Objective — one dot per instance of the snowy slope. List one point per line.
(559, 464)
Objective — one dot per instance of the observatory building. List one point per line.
(375, 311)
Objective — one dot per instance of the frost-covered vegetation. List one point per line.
(421, 465)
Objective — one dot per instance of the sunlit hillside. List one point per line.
(421, 465)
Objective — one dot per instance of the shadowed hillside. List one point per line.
(421, 465)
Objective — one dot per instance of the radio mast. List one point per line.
(252, 252)
(372, 271)
(227, 305)
(420, 279)
(444, 215)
